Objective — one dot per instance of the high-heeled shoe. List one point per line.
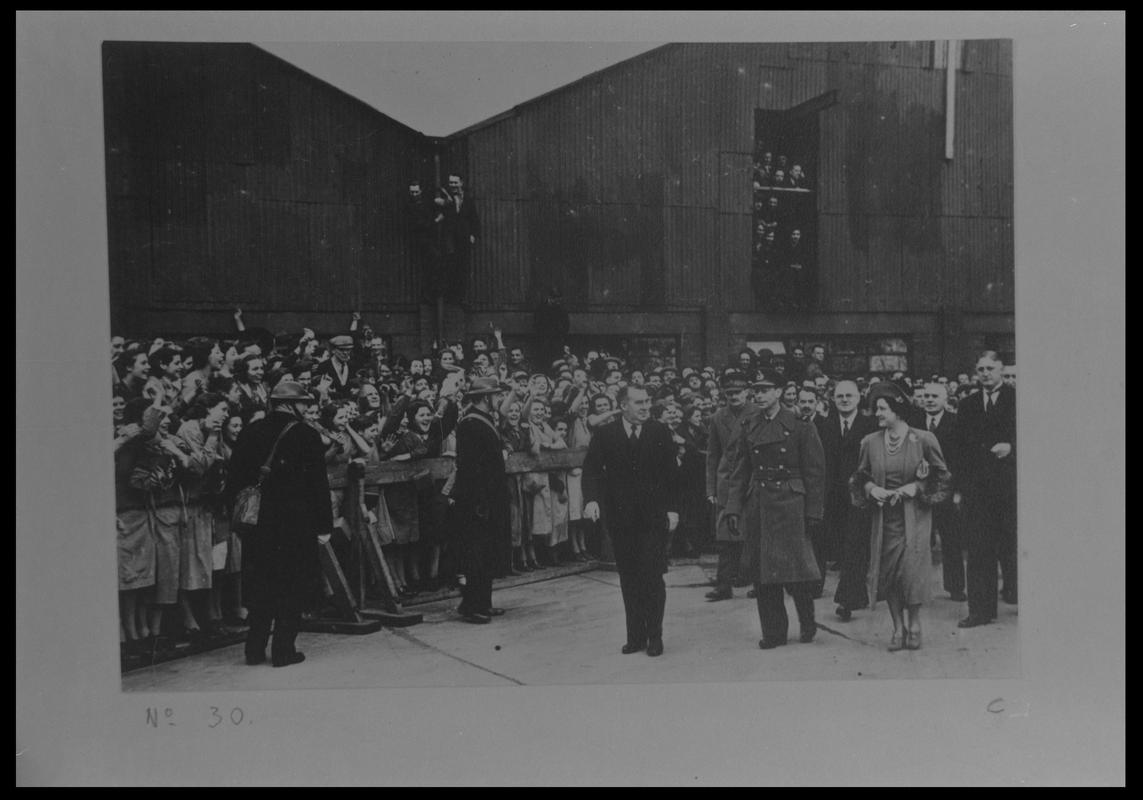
(912, 640)
(896, 641)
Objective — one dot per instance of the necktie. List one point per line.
(634, 434)
(932, 422)
(844, 428)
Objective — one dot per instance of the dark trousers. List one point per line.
(772, 608)
(478, 554)
(851, 589)
(644, 602)
(946, 522)
(285, 623)
(990, 537)
(729, 564)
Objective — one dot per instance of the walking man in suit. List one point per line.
(988, 434)
(630, 477)
(725, 430)
(281, 570)
(943, 424)
(777, 489)
(846, 533)
(480, 493)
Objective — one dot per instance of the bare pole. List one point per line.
(951, 58)
(440, 320)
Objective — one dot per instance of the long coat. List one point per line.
(280, 562)
(480, 491)
(777, 484)
(725, 431)
(933, 488)
(985, 475)
(635, 489)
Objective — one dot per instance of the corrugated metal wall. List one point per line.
(632, 186)
(235, 178)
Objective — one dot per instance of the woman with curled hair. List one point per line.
(901, 475)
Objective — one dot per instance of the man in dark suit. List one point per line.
(461, 229)
(630, 475)
(943, 424)
(281, 570)
(988, 458)
(480, 492)
(422, 219)
(335, 376)
(846, 532)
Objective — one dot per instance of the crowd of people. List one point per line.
(782, 266)
(179, 407)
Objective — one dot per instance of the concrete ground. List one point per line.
(568, 630)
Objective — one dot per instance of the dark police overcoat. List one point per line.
(281, 568)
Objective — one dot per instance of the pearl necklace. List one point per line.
(893, 445)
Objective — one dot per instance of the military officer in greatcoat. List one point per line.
(777, 492)
(725, 430)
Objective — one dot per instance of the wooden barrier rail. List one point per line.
(349, 588)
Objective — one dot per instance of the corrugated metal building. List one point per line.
(629, 189)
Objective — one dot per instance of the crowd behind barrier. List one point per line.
(179, 406)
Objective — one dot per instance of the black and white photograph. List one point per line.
(527, 365)
(524, 295)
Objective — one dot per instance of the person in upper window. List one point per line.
(797, 179)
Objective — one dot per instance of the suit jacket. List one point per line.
(841, 454)
(980, 431)
(634, 486)
(280, 562)
(460, 224)
(949, 434)
(338, 388)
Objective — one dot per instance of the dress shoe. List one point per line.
(293, 658)
(958, 597)
(724, 593)
(973, 622)
(475, 618)
(655, 647)
(494, 612)
(807, 634)
(770, 644)
(844, 614)
(631, 647)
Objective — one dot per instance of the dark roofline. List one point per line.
(330, 86)
(514, 110)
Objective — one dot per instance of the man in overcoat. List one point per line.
(725, 430)
(777, 491)
(988, 457)
(480, 492)
(281, 570)
(845, 530)
(630, 476)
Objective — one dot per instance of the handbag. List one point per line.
(248, 501)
